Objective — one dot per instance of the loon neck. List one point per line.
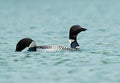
(32, 49)
(32, 46)
(74, 43)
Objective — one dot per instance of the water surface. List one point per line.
(48, 22)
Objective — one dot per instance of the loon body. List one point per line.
(74, 31)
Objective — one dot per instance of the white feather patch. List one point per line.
(71, 40)
(33, 44)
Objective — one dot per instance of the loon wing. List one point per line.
(55, 47)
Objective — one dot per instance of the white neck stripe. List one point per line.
(71, 40)
(33, 44)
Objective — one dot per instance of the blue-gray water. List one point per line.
(48, 23)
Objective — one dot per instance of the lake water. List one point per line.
(48, 22)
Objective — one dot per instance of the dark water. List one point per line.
(48, 22)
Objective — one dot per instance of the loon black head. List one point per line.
(74, 31)
(26, 42)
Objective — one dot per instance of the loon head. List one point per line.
(26, 42)
(74, 31)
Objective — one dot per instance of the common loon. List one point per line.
(73, 32)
